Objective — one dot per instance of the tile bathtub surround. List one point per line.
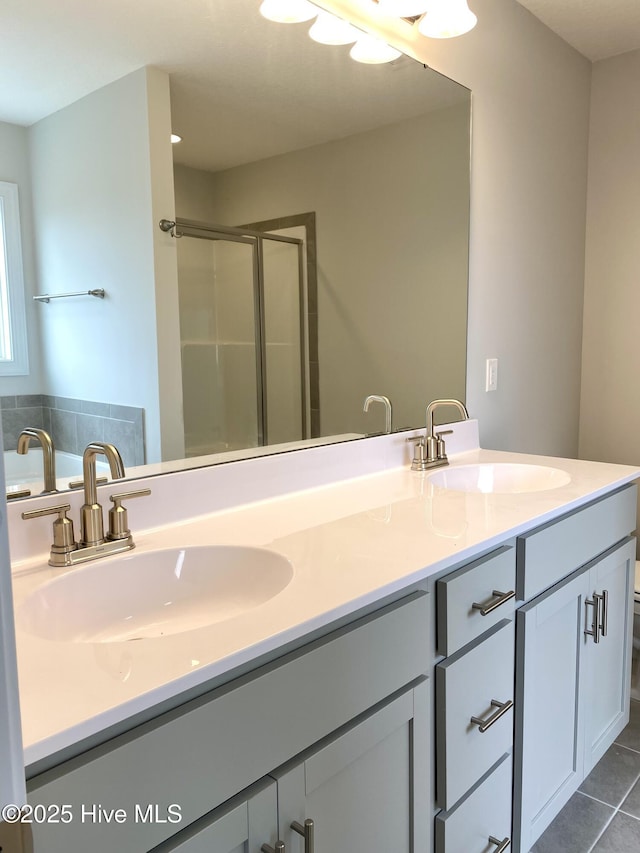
(18, 412)
(74, 423)
(603, 816)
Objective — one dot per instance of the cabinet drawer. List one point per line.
(475, 598)
(249, 819)
(481, 820)
(478, 683)
(552, 552)
(207, 751)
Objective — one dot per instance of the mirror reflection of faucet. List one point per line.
(93, 543)
(48, 454)
(379, 398)
(430, 451)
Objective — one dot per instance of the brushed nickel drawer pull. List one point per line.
(306, 832)
(595, 625)
(502, 845)
(279, 848)
(502, 707)
(604, 598)
(487, 607)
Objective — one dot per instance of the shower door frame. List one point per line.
(254, 239)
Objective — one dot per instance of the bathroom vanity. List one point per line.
(445, 665)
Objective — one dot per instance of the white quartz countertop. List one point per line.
(350, 545)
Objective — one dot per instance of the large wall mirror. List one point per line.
(314, 248)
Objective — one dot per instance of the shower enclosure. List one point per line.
(244, 338)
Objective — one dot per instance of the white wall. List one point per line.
(14, 168)
(95, 219)
(610, 406)
(528, 187)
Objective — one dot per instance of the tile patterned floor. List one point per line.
(603, 816)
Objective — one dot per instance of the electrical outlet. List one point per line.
(491, 382)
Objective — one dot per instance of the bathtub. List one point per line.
(26, 472)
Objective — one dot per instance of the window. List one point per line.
(14, 358)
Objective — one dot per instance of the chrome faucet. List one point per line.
(378, 398)
(93, 543)
(48, 454)
(430, 449)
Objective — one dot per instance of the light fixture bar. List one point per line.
(410, 19)
(408, 10)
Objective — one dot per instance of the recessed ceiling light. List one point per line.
(175, 138)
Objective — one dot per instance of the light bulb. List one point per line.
(403, 8)
(447, 19)
(328, 29)
(175, 138)
(288, 11)
(373, 51)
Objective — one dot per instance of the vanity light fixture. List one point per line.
(288, 11)
(434, 18)
(329, 29)
(404, 8)
(440, 19)
(175, 139)
(373, 51)
(447, 19)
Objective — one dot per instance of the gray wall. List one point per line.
(610, 405)
(392, 262)
(528, 206)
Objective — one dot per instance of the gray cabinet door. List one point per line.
(241, 826)
(549, 737)
(607, 687)
(367, 788)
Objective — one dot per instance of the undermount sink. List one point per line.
(500, 478)
(154, 594)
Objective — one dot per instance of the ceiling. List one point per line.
(597, 28)
(242, 88)
(225, 59)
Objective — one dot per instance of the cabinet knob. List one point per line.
(306, 832)
(501, 845)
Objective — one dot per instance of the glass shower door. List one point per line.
(221, 358)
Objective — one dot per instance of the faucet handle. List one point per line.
(118, 522)
(79, 484)
(440, 448)
(63, 539)
(419, 461)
